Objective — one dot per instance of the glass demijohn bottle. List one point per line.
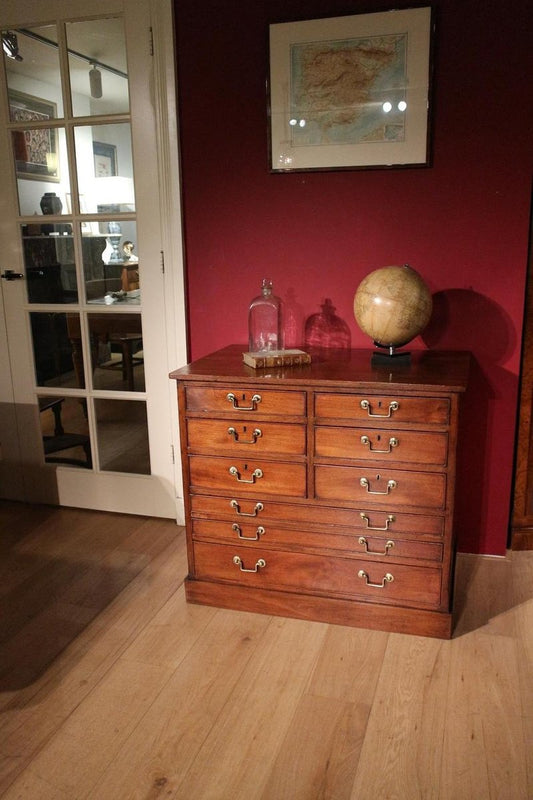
(264, 321)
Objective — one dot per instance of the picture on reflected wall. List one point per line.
(105, 160)
(36, 149)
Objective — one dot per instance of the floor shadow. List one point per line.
(484, 592)
(54, 583)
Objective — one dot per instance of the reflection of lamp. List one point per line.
(95, 82)
(114, 194)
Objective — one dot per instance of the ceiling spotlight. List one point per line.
(10, 45)
(95, 82)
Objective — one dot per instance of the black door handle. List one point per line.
(10, 275)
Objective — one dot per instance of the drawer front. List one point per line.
(248, 400)
(246, 437)
(390, 488)
(270, 536)
(317, 574)
(381, 408)
(248, 477)
(364, 444)
(363, 521)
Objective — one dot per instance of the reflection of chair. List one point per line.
(127, 342)
(61, 440)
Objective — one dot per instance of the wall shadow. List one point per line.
(463, 319)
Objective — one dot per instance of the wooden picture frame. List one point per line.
(36, 149)
(351, 92)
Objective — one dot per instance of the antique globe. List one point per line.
(392, 305)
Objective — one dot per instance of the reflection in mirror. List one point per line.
(57, 349)
(110, 263)
(49, 263)
(122, 432)
(105, 168)
(40, 156)
(65, 431)
(97, 67)
(117, 352)
(31, 59)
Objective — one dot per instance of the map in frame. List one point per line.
(339, 90)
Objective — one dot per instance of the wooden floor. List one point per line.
(112, 687)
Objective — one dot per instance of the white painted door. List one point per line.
(93, 312)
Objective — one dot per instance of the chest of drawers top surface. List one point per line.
(428, 371)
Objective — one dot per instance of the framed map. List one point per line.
(351, 92)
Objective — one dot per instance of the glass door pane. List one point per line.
(49, 262)
(80, 176)
(97, 67)
(32, 72)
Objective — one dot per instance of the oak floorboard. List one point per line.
(484, 753)
(522, 585)
(159, 753)
(116, 688)
(332, 717)
(253, 723)
(91, 736)
(32, 711)
(401, 754)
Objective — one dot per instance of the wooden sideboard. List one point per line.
(323, 491)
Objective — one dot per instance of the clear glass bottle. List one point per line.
(264, 321)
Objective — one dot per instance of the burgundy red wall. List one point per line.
(463, 223)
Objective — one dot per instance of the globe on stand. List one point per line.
(392, 305)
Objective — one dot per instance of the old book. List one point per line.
(276, 358)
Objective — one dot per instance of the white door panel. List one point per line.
(67, 351)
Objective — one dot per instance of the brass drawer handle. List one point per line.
(390, 519)
(259, 532)
(255, 436)
(393, 442)
(257, 473)
(387, 578)
(259, 564)
(393, 406)
(366, 485)
(385, 552)
(258, 507)
(256, 398)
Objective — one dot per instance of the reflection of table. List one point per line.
(126, 301)
(124, 330)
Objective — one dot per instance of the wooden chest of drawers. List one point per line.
(323, 491)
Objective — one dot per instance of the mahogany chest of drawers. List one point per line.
(323, 491)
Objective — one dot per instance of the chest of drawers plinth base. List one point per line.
(336, 611)
(323, 491)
